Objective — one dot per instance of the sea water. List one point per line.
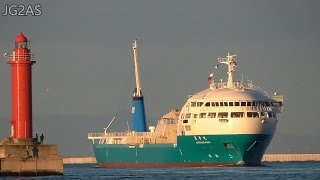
(283, 171)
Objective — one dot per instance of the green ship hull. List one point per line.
(190, 151)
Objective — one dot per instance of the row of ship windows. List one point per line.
(226, 115)
(235, 103)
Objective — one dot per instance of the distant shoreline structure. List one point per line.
(266, 158)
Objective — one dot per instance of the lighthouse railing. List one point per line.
(16, 57)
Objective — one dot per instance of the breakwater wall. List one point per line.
(290, 157)
(266, 158)
(79, 160)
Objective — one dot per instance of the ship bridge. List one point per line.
(232, 94)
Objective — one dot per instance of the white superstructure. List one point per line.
(230, 108)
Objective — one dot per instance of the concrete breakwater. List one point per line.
(266, 158)
(290, 157)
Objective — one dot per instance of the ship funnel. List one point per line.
(138, 112)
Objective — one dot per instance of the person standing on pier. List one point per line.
(41, 138)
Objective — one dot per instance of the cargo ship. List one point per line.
(229, 123)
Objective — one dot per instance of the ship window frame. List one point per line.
(237, 103)
(243, 103)
(199, 104)
(222, 115)
(253, 114)
(169, 121)
(211, 115)
(221, 104)
(231, 103)
(217, 104)
(187, 116)
(225, 104)
(182, 116)
(203, 115)
(254, 103)
(213, 104)
(249, 103)
(237, 114)
(207, 104)
(193, 104)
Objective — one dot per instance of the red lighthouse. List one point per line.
(22, 155)
(21, 61)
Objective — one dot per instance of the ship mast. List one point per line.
(138, 112)
(137, 91)
(230, 61)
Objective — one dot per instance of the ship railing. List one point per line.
(241, 108)
(237, 85)
(119, 134)
(122, 137)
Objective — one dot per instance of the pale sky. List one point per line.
(84, 57)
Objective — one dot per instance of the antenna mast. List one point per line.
(137, 92)
(230, 61)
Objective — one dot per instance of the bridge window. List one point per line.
(230, 103)
(236, 103)
(243, 103)
(225, 103)
(170, 121)
(182, 116)
(237, 114)
(207, 104)
(211, 115)
(222, 114)
(252, 114)
(193, 104)
(248, 103)
(199, 104)
(217, 104)
(213, 104)
(221, 103)
(188, 115)
(202, 115)
(254, 103)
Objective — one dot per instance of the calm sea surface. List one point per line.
(283, 171)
